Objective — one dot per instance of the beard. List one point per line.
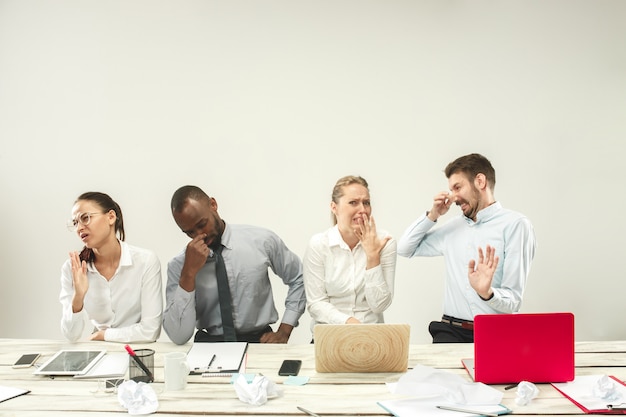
(472, 207)
(216, 239)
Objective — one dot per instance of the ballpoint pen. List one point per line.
(311, 413)
(477, 412)
(138, 361)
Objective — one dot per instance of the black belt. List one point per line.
(253, 337)
(464, 324)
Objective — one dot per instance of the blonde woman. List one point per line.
(349, 269)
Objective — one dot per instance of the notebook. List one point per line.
(361, 347)
(510, 348)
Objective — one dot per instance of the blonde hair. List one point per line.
(338, 190)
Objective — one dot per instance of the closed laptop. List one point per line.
(361, 347)
(510, 348)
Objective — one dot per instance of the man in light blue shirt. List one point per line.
(192, 299)
(495, 282)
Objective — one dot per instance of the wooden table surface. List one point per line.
(329, 395)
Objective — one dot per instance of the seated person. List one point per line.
(349, 269)
(116, 285)
(245, 252)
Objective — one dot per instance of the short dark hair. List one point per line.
(472, 165)
(185, 193)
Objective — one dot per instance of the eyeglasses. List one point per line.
(82, 218)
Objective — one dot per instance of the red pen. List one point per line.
(143, 367)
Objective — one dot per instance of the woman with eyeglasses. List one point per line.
(113, 284)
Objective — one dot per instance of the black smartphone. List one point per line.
(26, 360)
(290, 367)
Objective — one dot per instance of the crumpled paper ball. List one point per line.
(606, 389)
(256, 392)
(526, 391)
(138, 398)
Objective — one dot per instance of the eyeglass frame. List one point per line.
(72, 224)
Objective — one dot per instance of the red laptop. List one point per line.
(510, 348)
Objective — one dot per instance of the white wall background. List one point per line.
(265, 104)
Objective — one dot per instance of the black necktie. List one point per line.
(223, 291)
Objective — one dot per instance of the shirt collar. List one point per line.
(226, 237)
(125, 257)
(335, 239)
(485, 214)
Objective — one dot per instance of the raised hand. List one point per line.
(79, 280)
(481, 273)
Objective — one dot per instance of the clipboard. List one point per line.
(216, 357)
(580, 392)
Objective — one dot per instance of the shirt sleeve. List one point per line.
(413, 241)
(287, 265)
(318, 302)
(379, 281)
(149, 327)
(179, 317)
(519, 251)
(72, 324)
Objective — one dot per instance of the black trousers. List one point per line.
(447, 333)
(203, 336)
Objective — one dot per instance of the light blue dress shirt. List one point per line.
(248, 253)
(509, 232)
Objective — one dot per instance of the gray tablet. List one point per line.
(70, 362)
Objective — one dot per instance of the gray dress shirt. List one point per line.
(249, 252)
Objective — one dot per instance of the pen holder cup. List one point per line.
(146, 356)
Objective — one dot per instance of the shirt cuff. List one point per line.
(291, 317)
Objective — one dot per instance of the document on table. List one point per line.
(580, 391)
(413, 407)
(6, 393)
(216, 357)
(110, 366)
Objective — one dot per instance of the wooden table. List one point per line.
(325, 394)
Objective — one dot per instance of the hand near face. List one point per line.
(481, 273)
(372, 244)
(441, 205)
(196, 253)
